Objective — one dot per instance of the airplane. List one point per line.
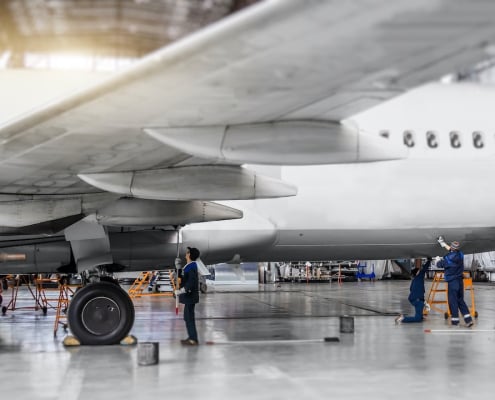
(250, 139)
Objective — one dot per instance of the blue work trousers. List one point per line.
(456, 300)
(190, 320)
(418, 305)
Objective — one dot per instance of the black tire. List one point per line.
(476, 314)
(4, 310)
(446, 315)
(45, 310)
(100, 314)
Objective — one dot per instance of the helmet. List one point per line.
(455, 245)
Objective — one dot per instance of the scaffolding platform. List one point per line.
(13, 283)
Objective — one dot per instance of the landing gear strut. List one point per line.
(100, 314)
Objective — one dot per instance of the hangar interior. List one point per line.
(34, 33)
(259, 340)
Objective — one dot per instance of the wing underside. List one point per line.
(279, 70)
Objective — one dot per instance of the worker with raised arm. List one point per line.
(453, 264)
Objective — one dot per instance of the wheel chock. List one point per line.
(129, 340)
(70, 341)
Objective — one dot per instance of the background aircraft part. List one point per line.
(304, 142)
(43, 255)
(142, 212)
(100, 314)
(199, 182)
(4, 257)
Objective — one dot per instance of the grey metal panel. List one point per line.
(140, 212)
(89, 243)
(19, 213)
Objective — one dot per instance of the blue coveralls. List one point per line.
(453, 263)
(190, 283)
(417, 294)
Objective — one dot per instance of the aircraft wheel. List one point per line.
(100, 314)
(110, 280)
(476, 314)
(45, 310)
(446, 315)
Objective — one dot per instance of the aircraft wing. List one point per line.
(270, 84)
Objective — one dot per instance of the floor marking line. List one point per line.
(279, 341)
(457, 331)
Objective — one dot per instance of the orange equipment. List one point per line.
(440, 286)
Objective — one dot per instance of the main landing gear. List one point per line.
(100, 313)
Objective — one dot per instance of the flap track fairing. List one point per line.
(300, 142)
(200, 182)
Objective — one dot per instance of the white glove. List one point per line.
(442, 243)
(180, 291)
(437, 259)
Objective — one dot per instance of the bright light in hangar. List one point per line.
(75, 62)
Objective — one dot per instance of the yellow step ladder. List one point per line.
(439, 288)
(44, 285)
(141, 283)
(173, 281)
(137, 287)
(66, 291)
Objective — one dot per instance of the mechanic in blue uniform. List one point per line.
(416, 293)
(189, 295)
(453, 264)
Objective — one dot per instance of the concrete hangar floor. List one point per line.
(268, 344)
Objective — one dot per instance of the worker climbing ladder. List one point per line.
(438, 295)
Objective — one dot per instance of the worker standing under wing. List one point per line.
(453, 264)
(416, 294)
(189, 295)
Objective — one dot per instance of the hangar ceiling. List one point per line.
(33, 30)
